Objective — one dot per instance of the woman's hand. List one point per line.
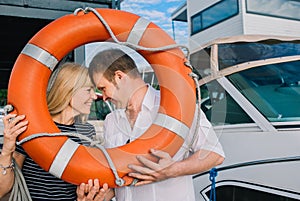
(13, 126)
(91, 191)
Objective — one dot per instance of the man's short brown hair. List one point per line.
(109, 61)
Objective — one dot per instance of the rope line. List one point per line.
(20, 190)
(119, 181)
(128, 44)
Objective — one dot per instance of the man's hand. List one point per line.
(91, 191)
(151, 171)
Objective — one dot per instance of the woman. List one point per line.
(69, 100)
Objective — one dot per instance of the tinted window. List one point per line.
(213, 15)
(236, 53)
(276, 8)
(219, 107)
(201, 61)
(273, 89)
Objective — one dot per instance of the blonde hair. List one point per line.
(68, 80)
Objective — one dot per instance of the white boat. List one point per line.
(247, 53)
(250, 90)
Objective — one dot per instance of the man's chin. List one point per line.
(118, 106)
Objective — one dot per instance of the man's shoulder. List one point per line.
(154, 91)
(115, 115)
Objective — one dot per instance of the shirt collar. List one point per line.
(148, 101)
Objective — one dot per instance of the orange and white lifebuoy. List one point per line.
(34, 65)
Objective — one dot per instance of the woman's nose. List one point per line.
(93, 95)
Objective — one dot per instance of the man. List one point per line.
(116, 75)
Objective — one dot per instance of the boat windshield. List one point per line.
(273, 89)
(270, 80)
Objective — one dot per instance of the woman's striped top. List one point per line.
(44, 186)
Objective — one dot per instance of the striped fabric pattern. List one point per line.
(44, 186)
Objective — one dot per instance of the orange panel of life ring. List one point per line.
(63, 157)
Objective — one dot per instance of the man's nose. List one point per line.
(105, 97)
(99, 95)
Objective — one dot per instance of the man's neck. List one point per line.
(134, 105)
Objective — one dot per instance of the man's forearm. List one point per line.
(200, 161)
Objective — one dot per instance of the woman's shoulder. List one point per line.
(84, 125)
(85, 128)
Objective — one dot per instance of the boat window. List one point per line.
(273, 89)
(288, 9)
(219, 107)
(214, 14)
(237, 53)
(200, 60)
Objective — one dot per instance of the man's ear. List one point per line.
(119, 75)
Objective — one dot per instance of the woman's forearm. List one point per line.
(6, 173)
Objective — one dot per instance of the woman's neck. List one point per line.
(66, 117)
